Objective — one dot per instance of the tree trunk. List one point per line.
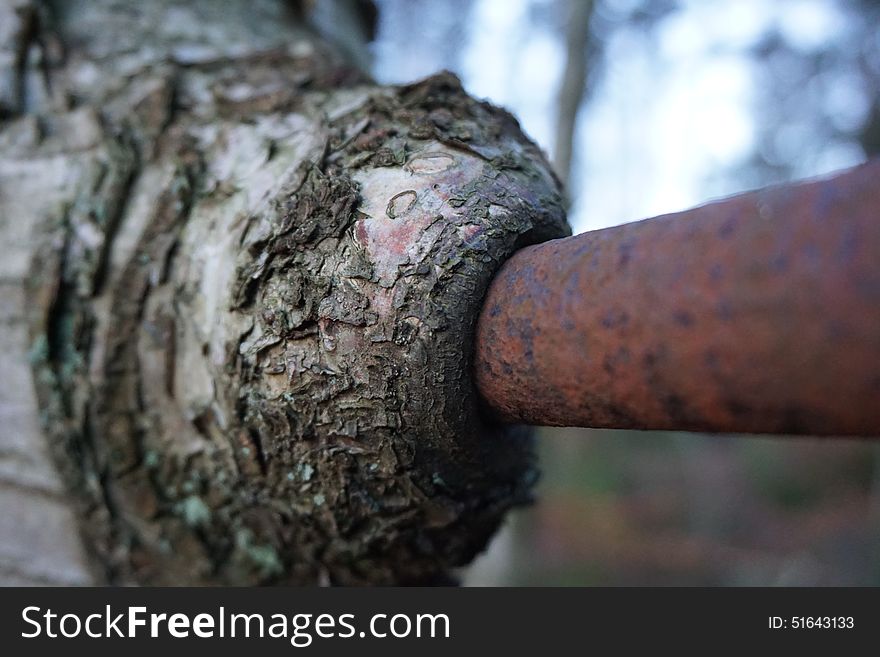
(242, 281)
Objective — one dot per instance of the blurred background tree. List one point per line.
(646, 108)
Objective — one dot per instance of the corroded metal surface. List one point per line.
(756, 314)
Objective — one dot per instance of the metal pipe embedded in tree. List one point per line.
(755, 314)
(244, 281)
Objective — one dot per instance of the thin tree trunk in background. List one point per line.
(574, 84)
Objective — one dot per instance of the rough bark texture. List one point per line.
(252, 301)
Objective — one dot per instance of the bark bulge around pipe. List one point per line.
(261, 374)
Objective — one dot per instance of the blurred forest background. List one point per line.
(647, 107)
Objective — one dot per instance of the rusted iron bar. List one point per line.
(755, 314)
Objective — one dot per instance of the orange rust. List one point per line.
(755, 314)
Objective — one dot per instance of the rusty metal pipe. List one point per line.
(755, 314)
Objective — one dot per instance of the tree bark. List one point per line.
(244, 280)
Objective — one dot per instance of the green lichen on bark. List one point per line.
(261, 374)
